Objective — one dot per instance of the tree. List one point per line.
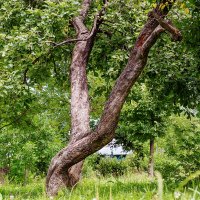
(173, 85)
(30, 50)
(84, 143)
(34, 100)
(143, 119)
(35, 134)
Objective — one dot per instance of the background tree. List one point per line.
(143, 119)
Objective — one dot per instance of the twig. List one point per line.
(65, 42)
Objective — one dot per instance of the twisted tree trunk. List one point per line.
(83, 141)
(80, 107)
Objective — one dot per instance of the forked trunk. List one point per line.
(84, 142)
(90, 142)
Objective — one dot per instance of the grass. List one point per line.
(128, 187)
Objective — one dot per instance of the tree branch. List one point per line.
(150, 40)
(167, 25)
(97, 21)
(84, 9)
(94, 28)
(25, 76)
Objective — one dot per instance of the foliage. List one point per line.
(176, 153)
(170, 84)
(143, 118)
(182, 143)
(111, 166)
(26, 57)
(34, 99)
(27, 151)
(172, 73)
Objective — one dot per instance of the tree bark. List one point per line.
(80, 107)
(79, 103)
(151, 159)
(84, 142)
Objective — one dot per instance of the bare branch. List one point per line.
(66, 42)
(167, 25)
(55, 45)
(150, 40)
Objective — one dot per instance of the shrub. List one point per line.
(134, 161)
(90, 164)
(168, 167)
(111, 166)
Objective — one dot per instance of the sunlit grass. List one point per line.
(135, 186)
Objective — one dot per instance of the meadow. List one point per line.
(131, 186)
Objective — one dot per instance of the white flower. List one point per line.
(94, 199)
(11, 197)
(177, 194)
(51, 197)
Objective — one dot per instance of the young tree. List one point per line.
(142, 119)
(83, 141)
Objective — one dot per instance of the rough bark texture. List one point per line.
(151, 159)
(80, 107)
(85, 143)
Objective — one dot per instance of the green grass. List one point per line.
(127, 187)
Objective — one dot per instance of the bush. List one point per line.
(93, 160)
(111, 166)
(90, 164)
(168, 167)
(134, 162)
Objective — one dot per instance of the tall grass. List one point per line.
(128, 187)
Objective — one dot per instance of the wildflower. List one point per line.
(51, 197)
(11, 197)
(177, 194)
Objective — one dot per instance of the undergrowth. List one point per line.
(131, 186)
